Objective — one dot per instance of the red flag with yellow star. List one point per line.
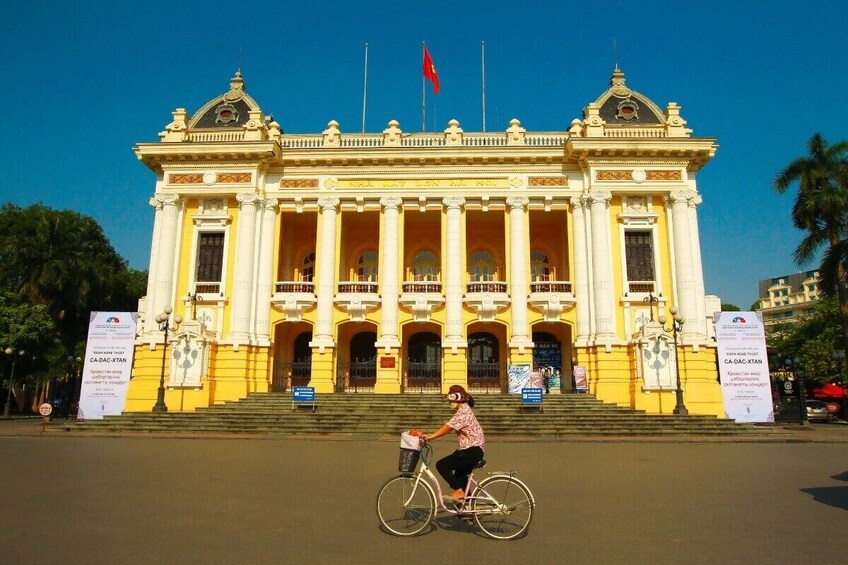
(430, 71)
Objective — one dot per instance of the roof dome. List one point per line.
(621, 106)
(229, 110)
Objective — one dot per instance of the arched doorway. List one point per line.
(484, 364)
(301, 369)
(423, 366)
(361, 370)
(547, 354)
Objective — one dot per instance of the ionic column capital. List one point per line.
(391, 202)
(270, 204)
(164, 199)
(328, 204)
(600, 196)
(517, 202)
(248, 199)
(453, 202)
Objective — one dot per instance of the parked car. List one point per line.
(817, 412)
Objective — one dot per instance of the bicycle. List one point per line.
(501, 505)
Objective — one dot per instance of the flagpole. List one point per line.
(483, 67)
(365, 88)
(423, 95)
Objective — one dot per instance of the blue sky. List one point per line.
(85, 81)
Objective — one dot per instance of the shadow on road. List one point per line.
(832, 496)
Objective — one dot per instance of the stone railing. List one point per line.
(357, 287)
(550, 286)
(425, 287)
(294, 286)
(486, 286)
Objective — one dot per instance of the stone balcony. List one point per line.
(358, 298)
(487, 298)
(293, 298)
(422, 298)
(551, 298)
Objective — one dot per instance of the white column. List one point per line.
(244, 267)
(518, 272)
(581, 269)
(601, 253)
(265, 276)
(390, 288)
(683, 263)
(700, 293)
(149, 315)
(453, 273)
(163, 277)
(326, 275)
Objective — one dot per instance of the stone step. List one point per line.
(379, 414)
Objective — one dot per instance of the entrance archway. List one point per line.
(361, 370)
(423, 365)
(484, 362)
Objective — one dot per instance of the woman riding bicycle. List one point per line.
(456, 467)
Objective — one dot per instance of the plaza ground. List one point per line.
(142, 499)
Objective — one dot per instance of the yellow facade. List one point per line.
(404, 263)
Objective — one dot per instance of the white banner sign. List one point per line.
(108, 364)
(743, 366)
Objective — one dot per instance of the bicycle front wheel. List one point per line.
(503, 507)
(404, 507)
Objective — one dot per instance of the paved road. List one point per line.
(165, 500)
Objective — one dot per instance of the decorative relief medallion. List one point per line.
(639, 176)
(209, 178)
(547, 181)
(233, 178)
(213, 206)
(614, 175)
(299, 183)
(636, 203)
(226, 114)
(664, 175)
(186, 179)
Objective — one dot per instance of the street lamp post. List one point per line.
(676, 327)
(165, 326)
(791, 366)
(7, 408)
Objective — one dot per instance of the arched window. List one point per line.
(481, 266)
(307, 273)
(482, 348)
(366, 268)
(425, 267)
(540, 266)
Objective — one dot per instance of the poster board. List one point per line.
(743, 366)
(108, 364)
(519, 376)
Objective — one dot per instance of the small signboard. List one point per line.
(387, 362)
(45, 409)
(303, 395)
(531, 397)
(581, 383)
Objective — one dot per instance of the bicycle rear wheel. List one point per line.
(405, 508)
(508, 509)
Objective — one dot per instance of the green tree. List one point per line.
(62, 260)
(730, 308)
(821, 209)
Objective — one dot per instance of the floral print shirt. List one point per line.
(467, 428)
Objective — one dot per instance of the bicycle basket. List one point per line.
(408, 460)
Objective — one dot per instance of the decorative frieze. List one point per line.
(547, 181)
(209, 178)
(639, 175)
(299, 183)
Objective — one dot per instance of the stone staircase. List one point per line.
(382, 414)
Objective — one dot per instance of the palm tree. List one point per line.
(821, 209)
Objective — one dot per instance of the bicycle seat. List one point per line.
(481, 464)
